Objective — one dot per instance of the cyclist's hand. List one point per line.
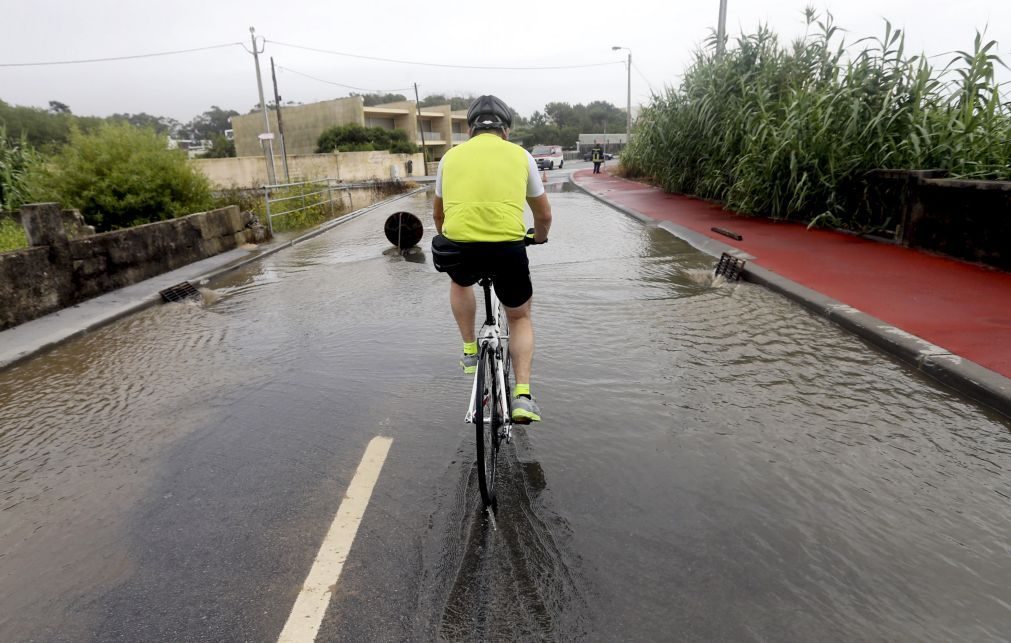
(530, 239)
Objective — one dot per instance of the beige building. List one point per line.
(442, 128)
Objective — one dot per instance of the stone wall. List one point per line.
(251, 171)
(57, 271)
(968, 220)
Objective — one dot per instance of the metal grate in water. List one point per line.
(179, 292)
(729, 267)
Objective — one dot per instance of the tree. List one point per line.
(121, 175)
(379, 99)
(221, 147)
(455, 102)
(44, 130)
(160, 124)
(597, 116)
(57, 107)
(355, 138)
(213, 121)
(561, 114)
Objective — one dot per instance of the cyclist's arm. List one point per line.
(542, 216)
(537, 199)
(437, 212)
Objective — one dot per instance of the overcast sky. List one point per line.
(660, 33)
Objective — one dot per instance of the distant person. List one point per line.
(597, 156)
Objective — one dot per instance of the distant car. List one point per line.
(548, 156)
(588, 156)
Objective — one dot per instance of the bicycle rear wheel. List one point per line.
(487, 421)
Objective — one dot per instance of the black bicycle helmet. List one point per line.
(489, 112)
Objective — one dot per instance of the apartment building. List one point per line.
(441, 127)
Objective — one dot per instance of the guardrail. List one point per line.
(290, 198)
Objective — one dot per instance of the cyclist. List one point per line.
(480, 190)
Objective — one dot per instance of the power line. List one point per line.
(102, 60)
(425, 64)
(360, 89)
(639, 71)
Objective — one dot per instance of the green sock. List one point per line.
(470, 348)
(522, 389)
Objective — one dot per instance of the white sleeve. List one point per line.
(438, 179)
(534, 186)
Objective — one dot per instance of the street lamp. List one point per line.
(628, 106)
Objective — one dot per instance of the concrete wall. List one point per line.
(251, 171)
(968, 220)
(302, 125)
(57, 272)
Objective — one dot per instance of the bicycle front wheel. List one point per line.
(487, 420)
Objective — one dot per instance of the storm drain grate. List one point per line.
(729, 267)
(179, 292)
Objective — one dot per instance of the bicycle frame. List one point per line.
(492, 337)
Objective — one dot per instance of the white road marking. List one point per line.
(310, 606)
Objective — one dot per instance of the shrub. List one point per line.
(791, 132)
(121, 175)
(18, 163)
(355, 138)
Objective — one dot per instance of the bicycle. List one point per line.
(490, 407)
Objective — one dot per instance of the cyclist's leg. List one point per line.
(521, 340)
(521, 347)
(464, 304)
(514, 290)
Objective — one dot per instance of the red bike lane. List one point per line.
(960, 307)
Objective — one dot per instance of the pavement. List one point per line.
(23, 341)
(947, 318)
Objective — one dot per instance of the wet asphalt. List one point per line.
(716, 463)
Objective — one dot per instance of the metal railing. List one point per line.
(291, 198)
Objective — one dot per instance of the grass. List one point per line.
(12, 235)
(791, 131)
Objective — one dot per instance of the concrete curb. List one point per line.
(967, 377)
(58, 327)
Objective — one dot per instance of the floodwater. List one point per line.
(716, 463)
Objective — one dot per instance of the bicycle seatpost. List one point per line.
(486, 285)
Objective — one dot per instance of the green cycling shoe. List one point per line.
(525, 410)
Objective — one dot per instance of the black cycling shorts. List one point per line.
(505, 261)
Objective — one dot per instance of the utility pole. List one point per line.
(280, 124)
(721, 30)
(266, 119)
(628, 104)
(417, 109)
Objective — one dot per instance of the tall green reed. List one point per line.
(791, 131)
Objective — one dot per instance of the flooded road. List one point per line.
(716, 463)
